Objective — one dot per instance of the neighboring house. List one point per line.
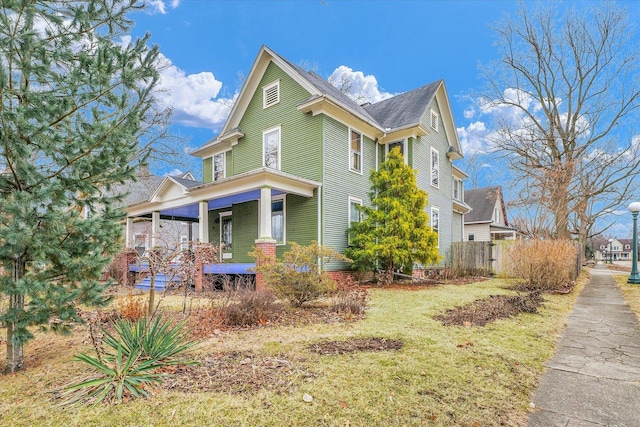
(487, 220)
(293, 160)
(616, 250)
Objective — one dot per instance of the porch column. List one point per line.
(265, 214)
(265, 240)
(203, 218)
(129, 233)
(155, 229)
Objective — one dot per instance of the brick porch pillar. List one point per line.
(128, 256)
(268, 247)
(203, 255)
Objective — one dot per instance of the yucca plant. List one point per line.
(140, 350)
(150, 339)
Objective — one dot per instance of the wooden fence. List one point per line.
(488, 258)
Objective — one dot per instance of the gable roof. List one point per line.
(482, 202)
(396, 113)
(145, 186)
(405, 109)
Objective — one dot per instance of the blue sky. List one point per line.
(392, 46)
(388, 47)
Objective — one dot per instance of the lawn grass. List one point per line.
(442, 376)
(631, 292)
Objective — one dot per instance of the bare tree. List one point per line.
(567, 85)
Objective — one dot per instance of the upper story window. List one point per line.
(458, 194)
(627, 246)
(434, 120)
(355, 152)
(435, 168)
(400, 144)
(219, 166)
(271, 94)
(435, 223)
(271, 142)
(471, 237)
(496, 215)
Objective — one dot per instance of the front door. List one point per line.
(226, 235)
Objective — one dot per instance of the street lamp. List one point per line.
(634, 277)
(610, 252)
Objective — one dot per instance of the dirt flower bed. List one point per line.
(483, 311)
(238, 373)
(355, 345)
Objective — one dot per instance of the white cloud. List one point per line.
(357, 86)
(474, 138)
(159, 6)
(174, 172)
(193, 97)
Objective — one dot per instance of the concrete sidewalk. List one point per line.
(594, 378)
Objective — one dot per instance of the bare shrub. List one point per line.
(544, 265)
(237, 305)
(132, 307)
(297, 277)
(350, 297)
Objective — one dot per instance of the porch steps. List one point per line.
(162, 280)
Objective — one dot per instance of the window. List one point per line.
(457, 189)
(627, 246)
(271, 94)
(219, 166)
(434, 120)
(271, 140)
(471, 237)
(354, 213)
(278, 221)
(355, 152)
(226, 235)
(435, 223)
(140, 244)
(435, 168)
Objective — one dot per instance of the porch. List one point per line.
(209, 206)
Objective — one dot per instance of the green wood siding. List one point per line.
(228, 163)
(207, 170)
(340, 183)
(437, 197)
(301, 216)
(245, 229)
(300, 134)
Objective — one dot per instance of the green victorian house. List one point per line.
(293, 160)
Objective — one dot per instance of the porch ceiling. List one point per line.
(173, 200)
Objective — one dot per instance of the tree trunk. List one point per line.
(152, 294)
(15, 355)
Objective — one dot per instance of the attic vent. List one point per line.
(434, 121)
(271, 94)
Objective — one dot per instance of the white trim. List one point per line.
(433, 120)
(405, 149)
(264, 147)
(433, 150)
(226, 255)
(356, 200)
(284, 218)
(224, 165)
(351, 152)
(437, 228)
(265, 89)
